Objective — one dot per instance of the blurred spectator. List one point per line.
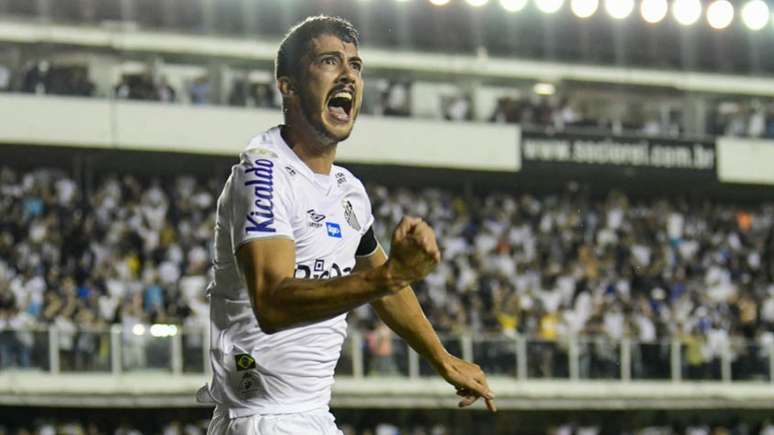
(37, 77)
(5, 78)
(397, 99)
(200, 91)
(165, 91)
(380, 347)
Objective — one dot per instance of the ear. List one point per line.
(285, 86)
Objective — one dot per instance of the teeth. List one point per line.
(342, 95)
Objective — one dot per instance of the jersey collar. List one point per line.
(299, 164)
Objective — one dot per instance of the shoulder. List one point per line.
(264, 146)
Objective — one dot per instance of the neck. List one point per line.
(317, 156)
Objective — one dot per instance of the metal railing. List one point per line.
(181, 350)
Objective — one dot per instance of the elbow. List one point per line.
(268, 322)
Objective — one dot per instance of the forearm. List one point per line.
(295, 302)
(403, 314)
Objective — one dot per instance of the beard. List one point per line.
(323, 134)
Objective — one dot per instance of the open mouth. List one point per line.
(340, 105)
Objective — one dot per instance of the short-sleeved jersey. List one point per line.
(272, 193)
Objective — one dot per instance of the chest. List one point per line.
(327, 229)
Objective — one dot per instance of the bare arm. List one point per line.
(281, 301)
(403, 314)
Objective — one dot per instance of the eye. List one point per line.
(357, 66)
(330, 60)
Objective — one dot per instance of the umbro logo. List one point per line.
(315, 219)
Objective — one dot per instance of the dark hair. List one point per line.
(295, 45)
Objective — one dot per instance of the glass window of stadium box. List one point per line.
(750, 360)
(384, 354)
(548, 359)
(25, 349)
(82, 349)
(145, 348)
(598, 357)
(650, 360)
(497, 354)
(701, 360)
(195, 349)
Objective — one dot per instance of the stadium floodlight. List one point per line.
(619, 9)
(477, 3)
(584, 8)
(654, 11)
(439, 2)
(549, 6)
(720, 14)
(755, 14)
(513, 5)
(686, 12)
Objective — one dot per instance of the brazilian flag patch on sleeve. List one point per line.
(244, 361)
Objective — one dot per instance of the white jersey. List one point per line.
(272, 193)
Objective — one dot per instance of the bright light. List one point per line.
(549, 6)
(619, 9)
(161, 330)
(584, 8)
(654, 11)
(138, 329)
(439, 2)
(720, 14)
(475, 3)
(755, 14)
(544, 89)
(686, 12)
(513, 5)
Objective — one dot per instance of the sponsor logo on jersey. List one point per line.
(315, 218)
(290, 170)
(334, 230)
(318, 270)
(261, 180)
(349, 214)
(244, 361)
(340, 178)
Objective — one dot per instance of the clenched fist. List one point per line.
(414, 252)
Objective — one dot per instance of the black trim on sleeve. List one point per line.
(368, 244)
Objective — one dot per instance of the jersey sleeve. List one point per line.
(262, 201)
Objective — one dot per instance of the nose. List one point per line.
(348, 74)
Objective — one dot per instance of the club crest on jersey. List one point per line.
(260, 177)
(349, 214)
(334, 230)
(315, 218)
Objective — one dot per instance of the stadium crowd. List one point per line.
(695, 426)
(136, 251)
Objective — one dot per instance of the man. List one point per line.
(295, 251)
